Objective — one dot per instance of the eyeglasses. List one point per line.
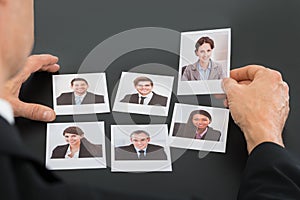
(146, 85)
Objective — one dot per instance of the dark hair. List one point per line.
(73, 130)
(142, 78)
(78, 79)
(137, 132)
(201, 112)
(203, 40)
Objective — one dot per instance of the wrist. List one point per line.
(258, 135)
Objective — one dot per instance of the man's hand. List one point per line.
(44, 62)
(258, 100)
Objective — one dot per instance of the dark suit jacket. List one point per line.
(23, 177)
(153, 152)
(92, 150)
(271, 173)
(180, 130)
(156, 99)
(69, 99)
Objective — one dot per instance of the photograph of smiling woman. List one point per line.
(197, 127)
(77, 145)
(205, 68)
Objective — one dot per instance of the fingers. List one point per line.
(33, 111)
(42, 62)
(50, 68)
(247, 73)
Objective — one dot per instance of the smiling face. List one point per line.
(80, 87)
(144, 87)
(204, 52)
(72, 139)
(140, 141)
(200, 121)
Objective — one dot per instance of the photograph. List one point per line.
(204, 61)
(144, 94)
(80, 94)
(140, 148)
(199, 128)
(78, 145)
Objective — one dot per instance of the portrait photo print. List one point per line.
(199, 128)
(140, 148)
(79, 145)
(80, 94)
(144, 94)
(204, 61)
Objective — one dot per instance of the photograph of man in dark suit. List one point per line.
(145, 95)
(140, 149)
(80, 95)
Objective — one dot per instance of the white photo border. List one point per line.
(220, 117)
(77, 163)
(201, 86)
(158, 133)
(100, 87)
(161, 84)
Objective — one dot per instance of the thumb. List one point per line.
(33, 111)
(229, 86)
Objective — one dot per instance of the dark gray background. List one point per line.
(263, 32)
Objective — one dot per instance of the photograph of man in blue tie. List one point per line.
(80, 95)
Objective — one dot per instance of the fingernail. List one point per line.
(47, 115)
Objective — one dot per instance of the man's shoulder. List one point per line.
(126, 147)
(132, 95)
(65, 94)
(93, 94)
(128, 97)
(158, 95)
(93, 98)
(154, 147)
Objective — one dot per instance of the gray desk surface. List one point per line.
(263, 32)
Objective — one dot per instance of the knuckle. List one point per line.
(31, 112)
(276, 75)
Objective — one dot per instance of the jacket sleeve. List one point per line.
(185, 74)
(126, 99)
(271, 173)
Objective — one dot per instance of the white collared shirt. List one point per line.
(200, 136)
(6, 111)
(76, 155)
(147, 99)
(138, 151)
(79, 96)
(204, 74)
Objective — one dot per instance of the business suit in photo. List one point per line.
(180, 130)
(271, 171)
(69, 99)
(24, 177)
(92, 150)
(153, 152)
(157, 100)
(191, 72)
